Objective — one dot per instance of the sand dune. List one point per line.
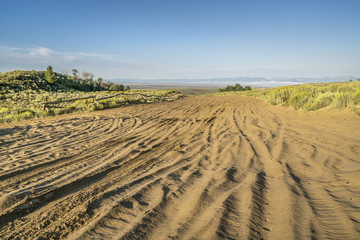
(198, 168)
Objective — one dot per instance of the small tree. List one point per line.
(87, 76)
(238, 87)
(75, 73)
(50, 75)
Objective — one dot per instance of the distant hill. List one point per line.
(19, 80)
(221, 82)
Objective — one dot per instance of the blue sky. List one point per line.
(183, 39)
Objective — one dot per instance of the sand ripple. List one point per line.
(198, 168)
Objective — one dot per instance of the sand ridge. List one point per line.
(229, 167)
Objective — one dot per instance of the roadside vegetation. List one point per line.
(237, 87)
(35, 94)
(310, 97)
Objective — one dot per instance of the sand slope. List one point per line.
(199, 168)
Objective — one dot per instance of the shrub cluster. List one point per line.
(237, 87)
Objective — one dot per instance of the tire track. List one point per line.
(198, 168)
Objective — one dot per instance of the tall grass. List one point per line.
(311, 97)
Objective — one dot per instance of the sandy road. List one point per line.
(198, 168)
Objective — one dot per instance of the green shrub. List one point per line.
(342, 100)
(235, 88)
(321, 101)
(356, 96)
(300, 99)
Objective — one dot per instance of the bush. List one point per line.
(323, 100)
(356, 96)
(237, 87)
(342, 100)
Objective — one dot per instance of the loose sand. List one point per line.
(198, 168)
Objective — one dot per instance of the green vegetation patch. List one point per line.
(34, 94)
(237, 87)
(27, 104)
(310, 97)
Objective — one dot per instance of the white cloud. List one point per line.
(38, 58)
(41, 51)
(30, 53)
(102, 65)
(116, 66)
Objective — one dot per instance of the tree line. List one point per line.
(83, 82)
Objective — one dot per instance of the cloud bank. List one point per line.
(38, 58)
(114, 66)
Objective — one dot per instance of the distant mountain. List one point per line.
(251, 81)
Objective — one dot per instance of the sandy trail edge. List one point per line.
(227, 167)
